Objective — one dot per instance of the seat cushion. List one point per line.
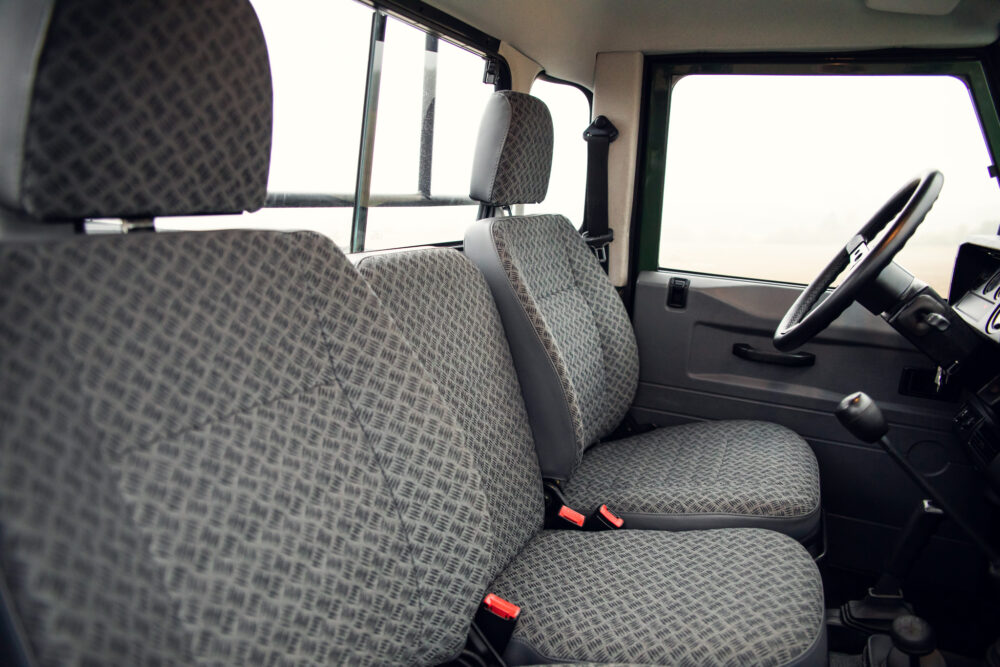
(704, 475)
(723, 597)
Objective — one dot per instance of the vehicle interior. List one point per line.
(468, 333)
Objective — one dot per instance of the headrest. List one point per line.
(513, 151)
(133, 108)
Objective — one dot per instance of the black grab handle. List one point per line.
(750, 353)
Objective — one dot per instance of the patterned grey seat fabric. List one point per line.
(720, 597)
(443, 308)
(133, 108)
(577, 359)
(667, 474)
(214, 448)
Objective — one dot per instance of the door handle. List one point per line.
(750, 353)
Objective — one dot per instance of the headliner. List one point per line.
(564, 36)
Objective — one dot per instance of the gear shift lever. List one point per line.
(859, 415)
(884, 602)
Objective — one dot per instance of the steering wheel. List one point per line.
(904, 211)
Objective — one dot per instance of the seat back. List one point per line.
(572, 341)
(444, 309)
(217, 447)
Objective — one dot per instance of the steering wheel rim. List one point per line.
(903, 213)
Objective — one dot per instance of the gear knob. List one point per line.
(912, 635)
(913, 644)
(859, 415)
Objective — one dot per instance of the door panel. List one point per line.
(689, 372)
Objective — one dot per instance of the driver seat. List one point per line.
(577, 361)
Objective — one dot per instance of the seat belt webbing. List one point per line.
(598, 136)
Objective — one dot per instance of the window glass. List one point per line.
(431, 101)
(318, 52)
(319, 58)
(768, 176)
(461, 99)
(568, 181)
(398, 227)
(396, 160)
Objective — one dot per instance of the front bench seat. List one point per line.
(739, 597)
(577, 359)
(217, 448)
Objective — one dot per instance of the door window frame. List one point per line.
(663, 73)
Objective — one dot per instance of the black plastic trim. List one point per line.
(792, 359)
(313, 200)
(862, 57)
(441, 24)
(638, 186)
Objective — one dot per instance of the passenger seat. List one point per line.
(577, 360)
(740, 596)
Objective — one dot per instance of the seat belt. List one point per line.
(595, 232)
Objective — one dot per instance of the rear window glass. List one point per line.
(425, 117)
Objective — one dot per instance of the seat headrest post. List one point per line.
(133, 108)
(513, 155)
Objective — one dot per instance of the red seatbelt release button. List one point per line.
(572, 515)
(500, 607)
(609, 516)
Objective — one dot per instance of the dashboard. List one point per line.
(975, 298)
(980, 307)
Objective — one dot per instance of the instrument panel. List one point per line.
(980, 307)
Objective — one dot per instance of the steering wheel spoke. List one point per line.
(864, 260)
(857, 249)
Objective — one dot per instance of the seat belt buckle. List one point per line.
(567, 513)
(599, 244)
(604, 519)
(600, 519)
(497, 606)
(495, 620)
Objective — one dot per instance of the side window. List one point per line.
(570, 111)
(427, 99)
(318, 71)
(430, 104)
(767, 176)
